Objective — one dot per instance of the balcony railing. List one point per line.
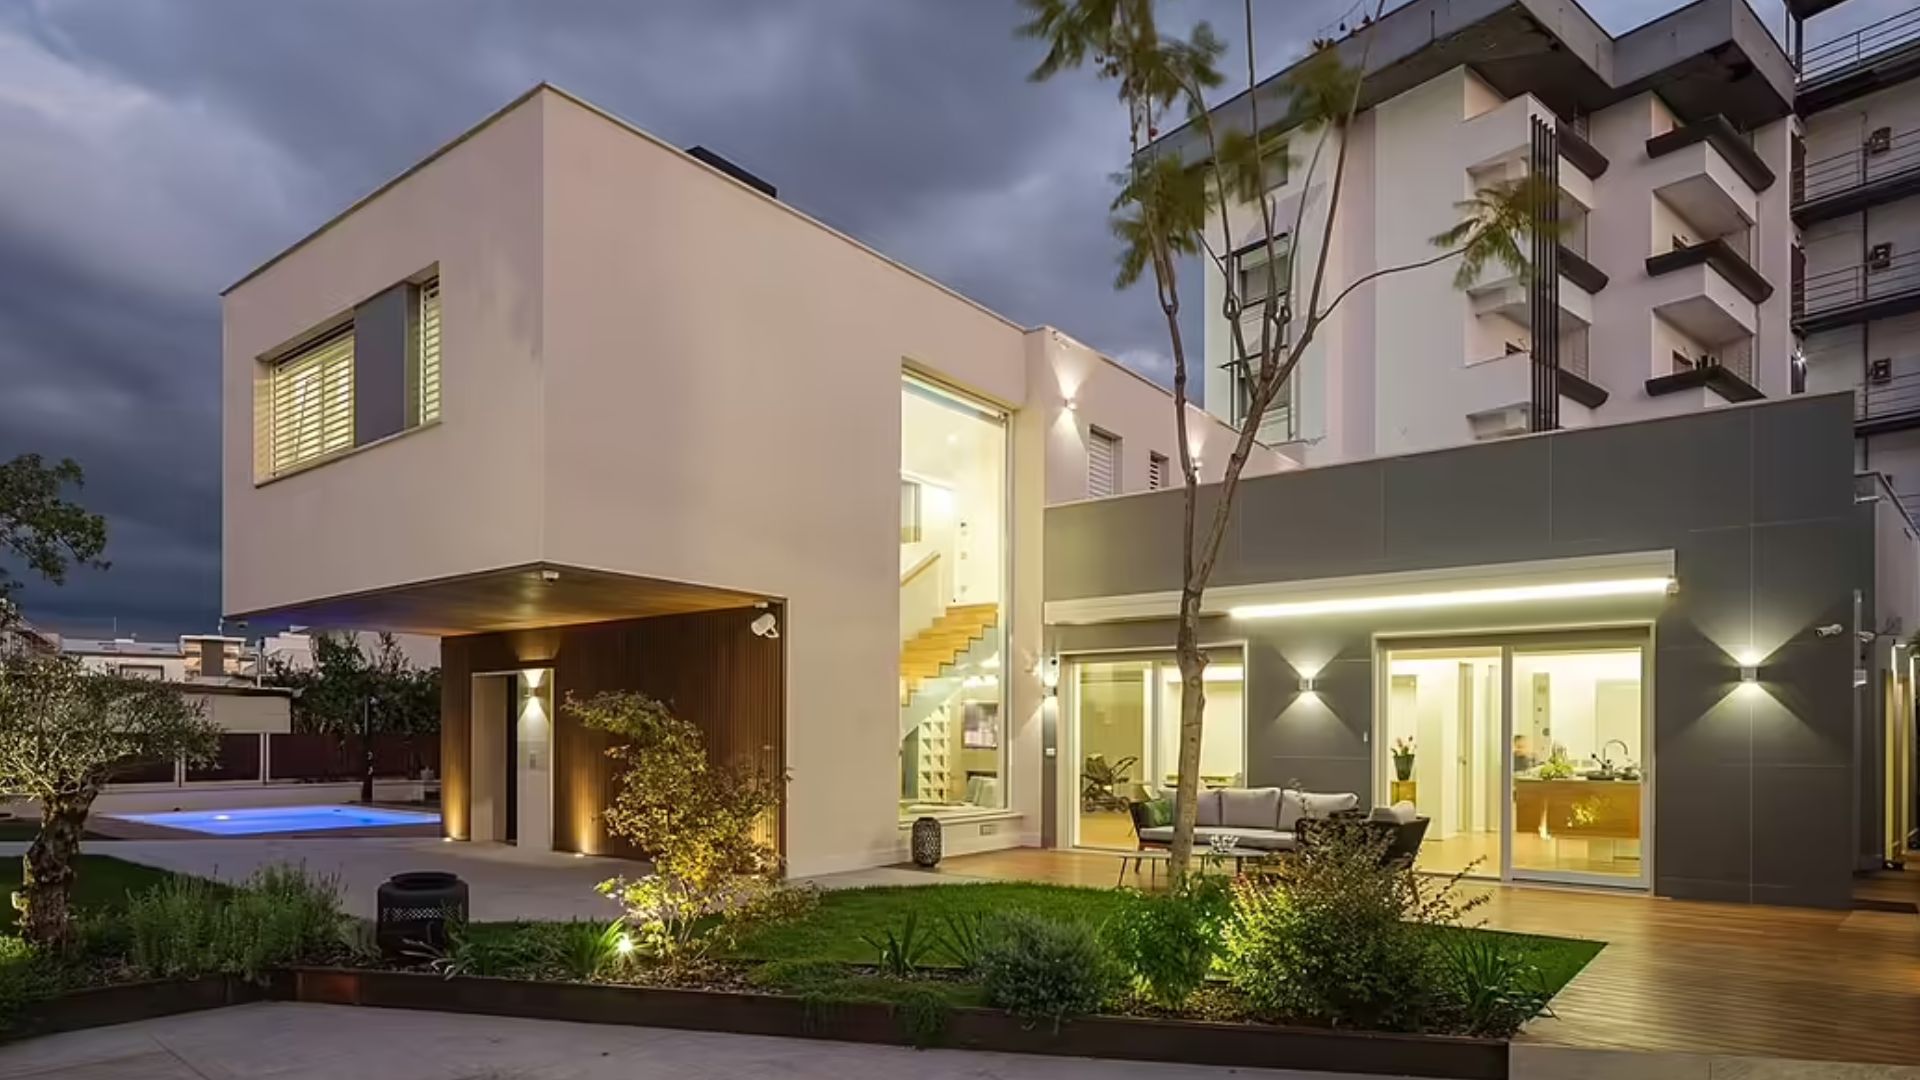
(1870, 290)
(1832, 59)
(1889, 401)
(1876, 162)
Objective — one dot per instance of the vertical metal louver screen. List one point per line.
(1156, 472)
(313, 403)
(430, 351)
(1103, 464)
(1544, 279)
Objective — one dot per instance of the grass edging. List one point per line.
(124, 1003)
(965, 1028)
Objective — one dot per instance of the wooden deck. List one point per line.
(1677, 975)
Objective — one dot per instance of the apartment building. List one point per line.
(1856, 199)
(600, 414)
(1664, 291)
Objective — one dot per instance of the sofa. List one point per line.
(1260, 819)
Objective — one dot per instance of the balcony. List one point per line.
(1875, 289)
(1874, 56)
(1708, 292)
(1882, 169)
(1891, 403)
(1507, 295)
(1732, 146)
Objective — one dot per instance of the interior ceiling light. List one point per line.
(1517, 594)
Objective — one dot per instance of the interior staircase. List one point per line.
(931, 651)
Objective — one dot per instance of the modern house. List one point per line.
(1856, 198)
(219, 674)
(1663, 293)
(535, 398)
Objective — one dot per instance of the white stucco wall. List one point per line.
(699, 384)
(385, 515)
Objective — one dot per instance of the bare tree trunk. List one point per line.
(46, 890)
(1193, 701)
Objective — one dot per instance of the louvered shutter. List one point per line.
(1156, 472)
(1103, 464)
(430, 351)
(313, 403)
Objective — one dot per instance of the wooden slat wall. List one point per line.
(708, 665)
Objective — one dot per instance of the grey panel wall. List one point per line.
(383, 361)
(1755, 795)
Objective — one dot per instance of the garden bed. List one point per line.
(962, 1027)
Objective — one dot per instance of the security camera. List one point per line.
(1866, 636)
(549, 576)
(1829, 630)
(766, 626)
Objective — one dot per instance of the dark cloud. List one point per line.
(152, 151)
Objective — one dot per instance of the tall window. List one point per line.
(953, 572)
(1103, 464)
(1156, 471)
(312, 403)
(430, 351)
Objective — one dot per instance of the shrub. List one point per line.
(1169, 942)
(186, 926)
(958, 939)
(698, 820)
(584, 950)
(496, 951)
(19, 977)
(900, 953)
(1491, 986)
(1044, 969)
(1334, 936)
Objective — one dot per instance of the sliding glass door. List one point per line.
(1124, 737)
(1527, 755)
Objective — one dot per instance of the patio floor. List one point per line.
(1676, 975)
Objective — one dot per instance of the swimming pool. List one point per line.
(253, 821)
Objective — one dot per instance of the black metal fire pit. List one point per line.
(414, 909)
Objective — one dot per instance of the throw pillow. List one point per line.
(1159, 813)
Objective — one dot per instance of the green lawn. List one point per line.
(834, 930)
(103, 882)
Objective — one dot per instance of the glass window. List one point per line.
(311, 403)
(953, 570)
(1126, 737)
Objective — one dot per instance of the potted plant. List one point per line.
(1403, 759)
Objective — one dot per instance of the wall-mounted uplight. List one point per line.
(1307, 685)
(1048, 672)
(1356, 605)
(1073, 405)
(533, 677)
(1749, 675)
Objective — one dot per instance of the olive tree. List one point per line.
(63, 730)
(1170, 210)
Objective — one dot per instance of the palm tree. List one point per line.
(1160, 217)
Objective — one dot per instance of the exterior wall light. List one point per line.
(1749, 675)
(1073, 405)
(1307, 685)
(1048, 671)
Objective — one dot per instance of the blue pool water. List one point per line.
(253, 821)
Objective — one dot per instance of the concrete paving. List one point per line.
(506, 882)
(328, 1042)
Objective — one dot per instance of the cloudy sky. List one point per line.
(153, 151)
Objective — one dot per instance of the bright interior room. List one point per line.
(1528, 760)
(1125, 736)
(953, 574)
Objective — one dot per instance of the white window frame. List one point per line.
(429, 352)
(1097, 437)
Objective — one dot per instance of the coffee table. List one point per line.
(1151, 858)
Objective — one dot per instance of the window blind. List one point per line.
(430, 351)
(1103, 464)
(312, 403)
(1156, 472)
